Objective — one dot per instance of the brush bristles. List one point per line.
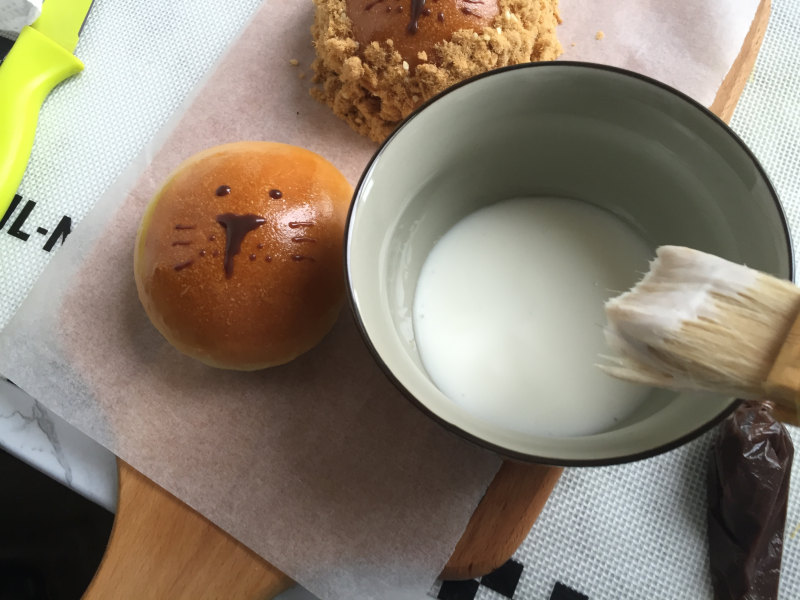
(697, 322)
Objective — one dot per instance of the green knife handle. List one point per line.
(33, 67)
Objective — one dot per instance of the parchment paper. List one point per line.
(688, 44)
(319, 466)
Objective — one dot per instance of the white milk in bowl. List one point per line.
(508, 314)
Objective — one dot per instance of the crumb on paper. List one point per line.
(572, 45)
(294, 62)
(373, 89)
(795, 532)
(599, 35)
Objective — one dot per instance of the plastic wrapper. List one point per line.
(748, 495)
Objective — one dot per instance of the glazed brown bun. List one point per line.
(417, 26)
(238, 261)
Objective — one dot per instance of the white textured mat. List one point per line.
(636, 531)
(100, 139)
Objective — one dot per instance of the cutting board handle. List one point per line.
(161, 548)
(502, 520)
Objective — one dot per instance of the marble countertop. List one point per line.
(45, 441)
(48, 443)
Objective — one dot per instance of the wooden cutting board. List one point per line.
(161, 548)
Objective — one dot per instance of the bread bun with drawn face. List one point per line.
(238, 260)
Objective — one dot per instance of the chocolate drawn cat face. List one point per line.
(236, 228)
(244, 240)
(233, 231)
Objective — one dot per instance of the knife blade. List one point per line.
(40, 58)
(5, 47)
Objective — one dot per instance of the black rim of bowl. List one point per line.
(587, 462)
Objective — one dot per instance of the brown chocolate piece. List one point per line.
(236, 228)
(748, 494)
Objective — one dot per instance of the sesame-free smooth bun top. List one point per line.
(416, 27)
(238, 261)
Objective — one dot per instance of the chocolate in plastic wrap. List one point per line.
(748, 494)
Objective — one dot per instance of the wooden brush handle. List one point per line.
(783, 381)
(785, 373)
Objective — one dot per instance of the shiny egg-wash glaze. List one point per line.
(238, 261)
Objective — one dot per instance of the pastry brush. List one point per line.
(699, 322)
